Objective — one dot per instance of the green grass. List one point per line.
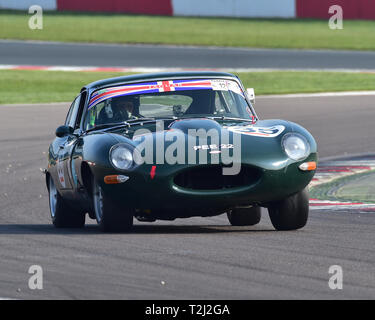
(24, 86)
(30, 86)
(265, 33)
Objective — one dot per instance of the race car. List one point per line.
(176, 145)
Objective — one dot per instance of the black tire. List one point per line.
(244, 216)
(110, 217)
(291, 213)
(63, 215)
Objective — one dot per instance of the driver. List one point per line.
(123, 108)
(118, 109)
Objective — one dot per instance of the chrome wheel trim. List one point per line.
(52, 197)
(98, 202)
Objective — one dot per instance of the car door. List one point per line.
(66, 145)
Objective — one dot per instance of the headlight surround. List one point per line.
(121, 157)
(295, 146)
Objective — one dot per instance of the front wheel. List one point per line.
(109, 217)
(244, 216)
(63, 215)
(290, 213)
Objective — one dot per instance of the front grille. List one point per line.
(212, 178)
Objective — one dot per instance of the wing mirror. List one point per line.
(251, 95)
(63, 131)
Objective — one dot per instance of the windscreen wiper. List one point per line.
(232, 118)
(150, 119)
(128, 123)
(106, 125)
(139, 119)
(220, 118)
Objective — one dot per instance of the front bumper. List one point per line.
(158, 191)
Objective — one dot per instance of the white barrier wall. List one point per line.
(235, 8)
(218, 8)
(26, 4)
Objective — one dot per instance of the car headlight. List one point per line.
(121, 157)
(295, 146)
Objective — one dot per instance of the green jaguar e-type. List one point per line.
(176, 145)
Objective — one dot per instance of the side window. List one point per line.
(69, 116)
(229, 100)
(80, 109)
(72, 115)
(220, 104)
(92, 117)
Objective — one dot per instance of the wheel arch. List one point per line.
(47, 175)
(86, 175)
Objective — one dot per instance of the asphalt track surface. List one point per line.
(197, 258)
(112, 55)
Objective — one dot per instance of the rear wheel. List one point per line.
(63, 215)
(244, 216)
(290, 213)
(109, 217)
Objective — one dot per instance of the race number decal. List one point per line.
(219, 85)
(225, 85)
(266, 132)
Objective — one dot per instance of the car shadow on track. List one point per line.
(137, 229)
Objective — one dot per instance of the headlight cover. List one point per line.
(121, 157)
(295, 146)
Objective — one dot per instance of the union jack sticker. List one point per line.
(163, 86)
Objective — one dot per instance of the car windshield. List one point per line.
(167, 99)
